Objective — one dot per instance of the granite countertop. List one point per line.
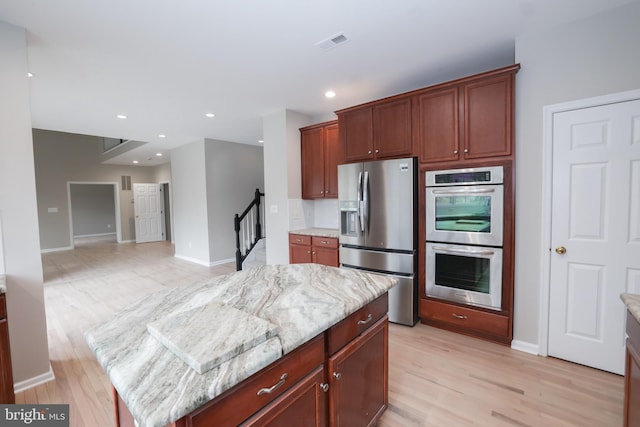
(302, 300)
(3, 284)
(632, 301)
(318, 232)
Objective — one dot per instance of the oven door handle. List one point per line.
(441, 249)
(466, 191)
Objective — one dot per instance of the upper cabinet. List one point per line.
(320, 155)
(467, 119)
(380, 130)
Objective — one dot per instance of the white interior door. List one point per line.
(148, 211)
(595, 232)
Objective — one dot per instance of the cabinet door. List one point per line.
(358, 389)
(488, 111)
(326, 256)
(299, 254)
(437, 126)
(356, 132)
(312, 163)
(332, 158)
(304, 405)
(392, 129)
(6, 376)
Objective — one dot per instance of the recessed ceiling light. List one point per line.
(159, 154)
(121, 116)
(29, 74)
(330, 94)
(162, 135)
(210, 115)
(135, 162)
(261, 141)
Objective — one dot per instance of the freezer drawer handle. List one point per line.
(274, 387)
(367, 320)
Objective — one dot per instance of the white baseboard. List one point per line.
(526, 347)
(81, 236)
(127, 241)
(204, 263)
(66, 248)
(35, 381)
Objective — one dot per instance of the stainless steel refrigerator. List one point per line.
(378, 229)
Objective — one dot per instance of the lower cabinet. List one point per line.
(358, 389)
(632, 374)
(315, 249)
(7, 395)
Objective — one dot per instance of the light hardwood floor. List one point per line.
(436, 378)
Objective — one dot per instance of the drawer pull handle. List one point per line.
(367, 320)
(337, 375)
(324, 387)
(459, 316)
(324, 242)
(274, 387)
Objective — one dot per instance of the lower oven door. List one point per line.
(466, 274)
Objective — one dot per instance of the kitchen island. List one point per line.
(323, 321)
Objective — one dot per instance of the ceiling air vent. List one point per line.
(332, 41)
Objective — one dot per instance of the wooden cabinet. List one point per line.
(7, 395)
(467, 119)
(381, 130)
(358, 379)
(632, 374)
(319, 250)
(320, 155)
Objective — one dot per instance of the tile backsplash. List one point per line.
(313, 213)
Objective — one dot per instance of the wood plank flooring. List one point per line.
(436, 378)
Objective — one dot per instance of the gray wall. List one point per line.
(234, 171)
(189, 194)
(93, 209)
(62, 157)
(587, 58)
(23, 265)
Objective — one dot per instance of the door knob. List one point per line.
(561, 250)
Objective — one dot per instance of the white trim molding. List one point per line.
(35, 381)
(63, 248)
(525, 347)
(547, 184)
(205, 263)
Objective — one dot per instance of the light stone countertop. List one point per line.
(3, 284)
(302, 300)
(632, 301)
(318, 232)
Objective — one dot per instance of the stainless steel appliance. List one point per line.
(464, 227)
(378, 232)
(465, 206)
(466, 274)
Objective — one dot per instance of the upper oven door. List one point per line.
(465, 214)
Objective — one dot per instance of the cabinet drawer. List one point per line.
(327, 242)
(481, 321)
(299, 239)
(243, 400)
(3, 306)
(346, 330)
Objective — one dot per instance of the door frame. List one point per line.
(116, 201)
(169, 209)
(547, 186)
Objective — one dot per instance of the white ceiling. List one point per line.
(166, 63)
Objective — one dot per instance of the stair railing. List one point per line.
(248, 229)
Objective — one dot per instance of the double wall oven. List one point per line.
(464, 227)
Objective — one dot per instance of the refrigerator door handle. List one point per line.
(360, 209)
(365, 197)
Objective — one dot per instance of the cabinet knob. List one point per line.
(337, 375)
(369, 152)
(455, 151)
(466, 150)
(322, 192)
(377, 151)
(324, 387)
(308, 252)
